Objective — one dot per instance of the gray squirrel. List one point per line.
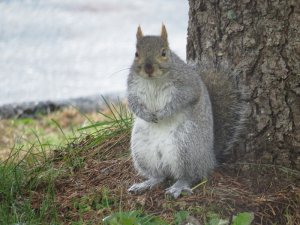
(184, 117)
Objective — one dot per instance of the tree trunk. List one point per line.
(261, 39)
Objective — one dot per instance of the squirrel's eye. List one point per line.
(136, 54)
(163, 53)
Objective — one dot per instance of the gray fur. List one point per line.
(186, 111)
(228, 103)
(173, 134)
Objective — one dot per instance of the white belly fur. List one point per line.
(153, 146)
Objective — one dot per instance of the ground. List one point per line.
(89, 176)
(269, 192)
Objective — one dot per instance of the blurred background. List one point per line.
(56, 50)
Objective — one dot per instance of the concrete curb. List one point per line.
(33, 109)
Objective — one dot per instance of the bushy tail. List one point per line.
(229, 107)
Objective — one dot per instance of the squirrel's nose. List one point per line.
(148, 68)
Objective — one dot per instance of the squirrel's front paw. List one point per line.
(151, 118)
(154, 118)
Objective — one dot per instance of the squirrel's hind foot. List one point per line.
(139, 188)
(176, 189)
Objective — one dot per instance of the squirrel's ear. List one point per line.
(164, 34)
(139, 33)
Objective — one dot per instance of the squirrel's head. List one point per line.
(152, 56)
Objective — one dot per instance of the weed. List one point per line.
(133, 218)
(180, 216)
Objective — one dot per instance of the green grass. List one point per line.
(19, 180)
(31, 167)
(29, 178)
(133, 218)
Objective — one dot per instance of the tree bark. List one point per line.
(261, 40)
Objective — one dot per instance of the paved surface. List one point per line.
(55, 50)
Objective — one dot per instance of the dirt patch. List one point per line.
(100, 187)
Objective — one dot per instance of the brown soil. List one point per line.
(271, 193)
